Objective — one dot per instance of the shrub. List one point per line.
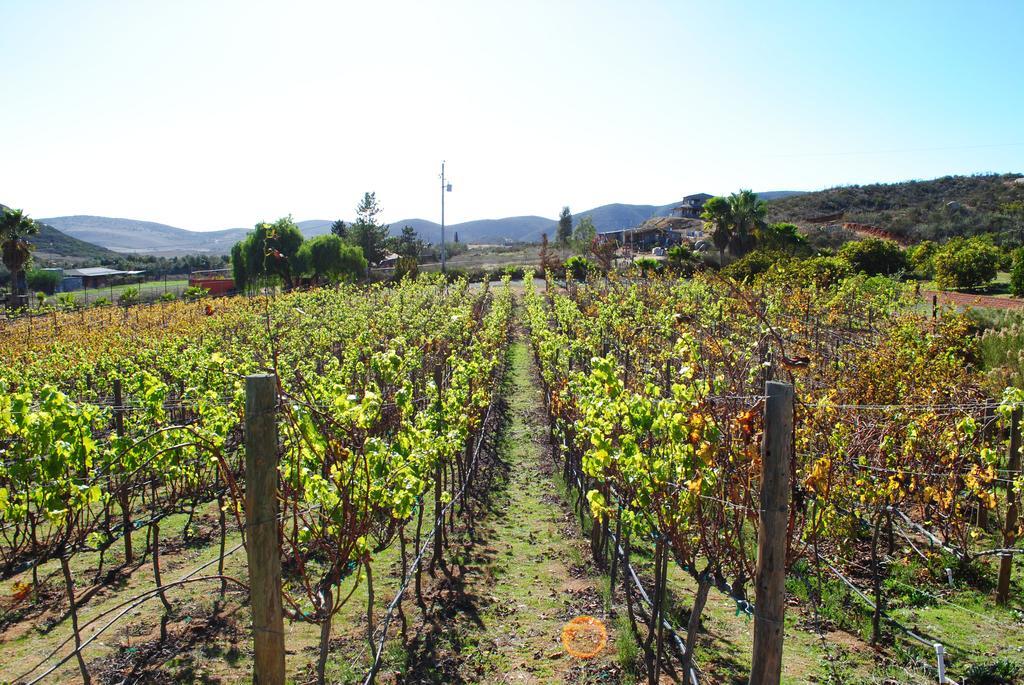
(167, 297)
(820, 271)
(516, 273)
(999, 672)
(129, 296)
(406, 266)
(579, 267)
(753, 264)
(874, 256)
(194, 293)
(101, 302)
(67, 300)
(966, 263)
(647, 266)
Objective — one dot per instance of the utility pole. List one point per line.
(445, 188)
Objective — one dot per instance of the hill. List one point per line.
(55, 246)
(130, 235)
(913, 210)
(530, 228)
(482, 231)
(314, 227)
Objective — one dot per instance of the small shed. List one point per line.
(99, 276)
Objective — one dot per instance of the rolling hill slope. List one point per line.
(52, 245)
(130, 235)
(915, 210)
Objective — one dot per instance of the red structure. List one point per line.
(217, 281)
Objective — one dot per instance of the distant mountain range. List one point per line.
(915, 210)
(133, 236)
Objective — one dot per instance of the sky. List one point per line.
(215, 114)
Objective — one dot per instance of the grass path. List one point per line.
(527, 577)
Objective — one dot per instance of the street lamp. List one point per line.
(445, 188)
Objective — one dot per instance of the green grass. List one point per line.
(1000, 287)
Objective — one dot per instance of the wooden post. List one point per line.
(261, 522)
(770, 597)
(1010, 527)
(935, 306)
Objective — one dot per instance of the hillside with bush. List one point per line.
(938, 209)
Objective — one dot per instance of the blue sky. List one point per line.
(210, 114)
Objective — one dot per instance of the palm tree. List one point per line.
(718, 216)
(15, 227)
(749, 221)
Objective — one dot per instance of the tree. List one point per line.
(1017, 273)
(784, 237)
(682, 260)
(408, 244)
(584, 234)
(239, 269)
(271, 251)
(339, 229)
(41, 280)
(548, 259)
(748, 215)
(15, 227)
(366, 233)
(874, 256)
(1014, 214)
(329, 259)
(717, 216)
(922, 258)
(564, 226)
(966, 263)
(603, 251)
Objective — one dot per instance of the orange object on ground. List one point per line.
(584, 637)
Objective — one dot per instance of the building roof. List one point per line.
(698, 196)
(96, 271)
(659, 224)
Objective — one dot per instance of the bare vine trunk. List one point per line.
(693, 625)
(155, 527)
(69, 585)
(327, 609)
